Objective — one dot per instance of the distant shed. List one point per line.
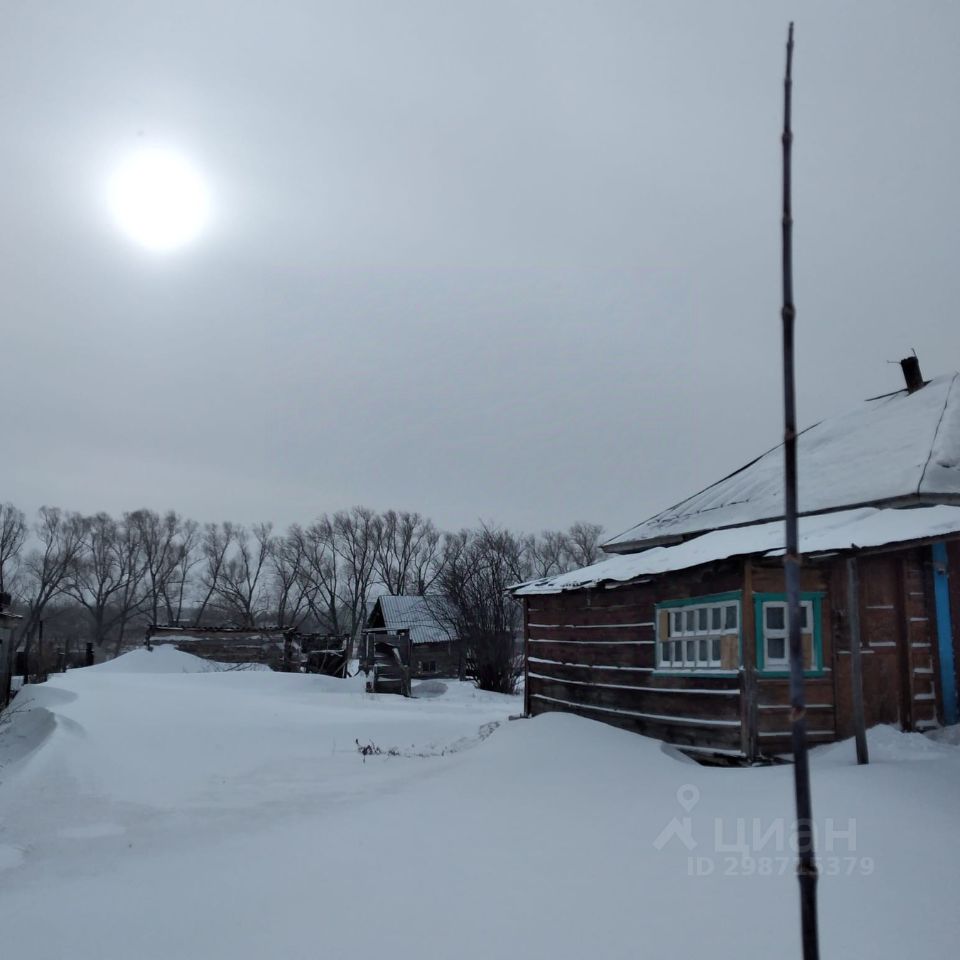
(436, 650)
(681, 633)
(276, 646)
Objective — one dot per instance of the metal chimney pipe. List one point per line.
(911, 373)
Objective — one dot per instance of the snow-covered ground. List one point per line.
(155, 808)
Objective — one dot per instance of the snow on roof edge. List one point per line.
(841, 530)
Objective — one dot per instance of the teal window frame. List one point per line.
(815, 598)
(730, 595)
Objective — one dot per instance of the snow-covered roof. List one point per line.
(422, 616)
(843, 530)
(896, 450)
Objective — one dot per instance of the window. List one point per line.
(428, 666)
(698, 634)
(773, 638)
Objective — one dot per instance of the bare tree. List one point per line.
(291, 590)
(59, 536)
(408, 552)
(13, 532)
(548, 553)
(107, 575)
(157, 565)
(479, 567)
(239, 590)
(354, 541)
(168, 544)
(177, 587)
(214, 547)
(338, 557)
(319, 572)
(556, 551)
(583, 544)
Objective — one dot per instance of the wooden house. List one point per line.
(680, 634)
(436, 651)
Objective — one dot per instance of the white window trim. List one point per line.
(769, 633)
(680, 639)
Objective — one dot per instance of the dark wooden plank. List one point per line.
(767, 577)
(595, 634)
(777, 692)
(903, 646)
(725, 683)
(668, 707)
(633, 613)
(856, 659)
(820, 719)
(595, 654)
(748, 677)
(720, 738)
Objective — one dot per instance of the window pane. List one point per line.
(691, 656)
(715, 651)
(702, 653)
(702, 618)
(691, 621)
(775, 614)
(804, 618)
(716, 618)
(776, 648)
(665, 650)
(677, 622)
(730, 621)
(678, 651)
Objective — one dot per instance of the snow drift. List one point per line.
(231, 815)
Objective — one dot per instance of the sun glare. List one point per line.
(158, 199)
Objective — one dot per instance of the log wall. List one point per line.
(898, 641)
(592, 652)
(773, 694)
(445, 655)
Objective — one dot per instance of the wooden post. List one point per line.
(807, 863)
(749, 714)
(526, 657)
(39, 675)
(410, 668)
(903, 646)
(749, 689)
(945, 661)
(856, 662)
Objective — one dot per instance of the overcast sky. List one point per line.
(505, 260)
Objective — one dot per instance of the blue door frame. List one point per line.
(948, 672)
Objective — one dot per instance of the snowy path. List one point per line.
(210, 815)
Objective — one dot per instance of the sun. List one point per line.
(158, 199)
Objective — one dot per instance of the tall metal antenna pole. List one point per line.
(807, 865)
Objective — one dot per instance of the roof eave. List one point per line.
(902, 502)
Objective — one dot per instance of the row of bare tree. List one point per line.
(100, 577)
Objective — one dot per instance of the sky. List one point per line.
(511, 261)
